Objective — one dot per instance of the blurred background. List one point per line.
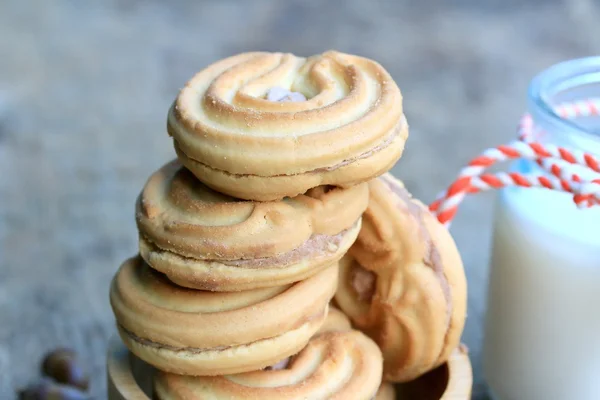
(84, 92)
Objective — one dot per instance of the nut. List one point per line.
(63, 366)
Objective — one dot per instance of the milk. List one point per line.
(542, 334)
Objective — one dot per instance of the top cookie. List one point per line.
(242, 142)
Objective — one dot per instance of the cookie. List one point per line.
(240, 140)
(344, 365)
(337, 321)
(206, 240)
(194, 332)
(403, 283)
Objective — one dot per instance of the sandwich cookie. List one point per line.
(240, 138)
(206, 240)
(403, 283)
(194, 332)
(337, 363)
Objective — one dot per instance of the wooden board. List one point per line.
(129, 378)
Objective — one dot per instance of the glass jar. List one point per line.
(542, 329)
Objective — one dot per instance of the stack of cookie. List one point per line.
(243, 239)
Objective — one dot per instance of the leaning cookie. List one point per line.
(403, 283)
(343, 365)
(194, 332)
(207, 240)
(241, 141)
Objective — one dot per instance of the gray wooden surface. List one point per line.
(84, 90)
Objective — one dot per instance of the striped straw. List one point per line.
(472, 179)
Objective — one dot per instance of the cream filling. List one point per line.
(197, 350)
(156, 345)
(382, 145)
(318, 245)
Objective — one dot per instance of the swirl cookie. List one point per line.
(242, 142)
(193, 332)
(337, 321)
(344, 365)
(403, 283)
(206, 240)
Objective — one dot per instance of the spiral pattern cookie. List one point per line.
(194, 332)
(403, 282)
(235, 139)
(337, 321)
(206, 240)
(333, 365)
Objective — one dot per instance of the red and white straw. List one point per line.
(472, 179)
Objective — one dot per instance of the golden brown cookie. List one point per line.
(195, 332)
(350, 129)
(207, 240)
(342, 365)
(337, 321)
(403, 282)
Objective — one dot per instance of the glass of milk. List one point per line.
(542, 330)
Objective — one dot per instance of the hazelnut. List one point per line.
(63, 366)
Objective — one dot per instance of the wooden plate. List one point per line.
(129, 378)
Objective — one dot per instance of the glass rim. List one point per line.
(550, 82)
